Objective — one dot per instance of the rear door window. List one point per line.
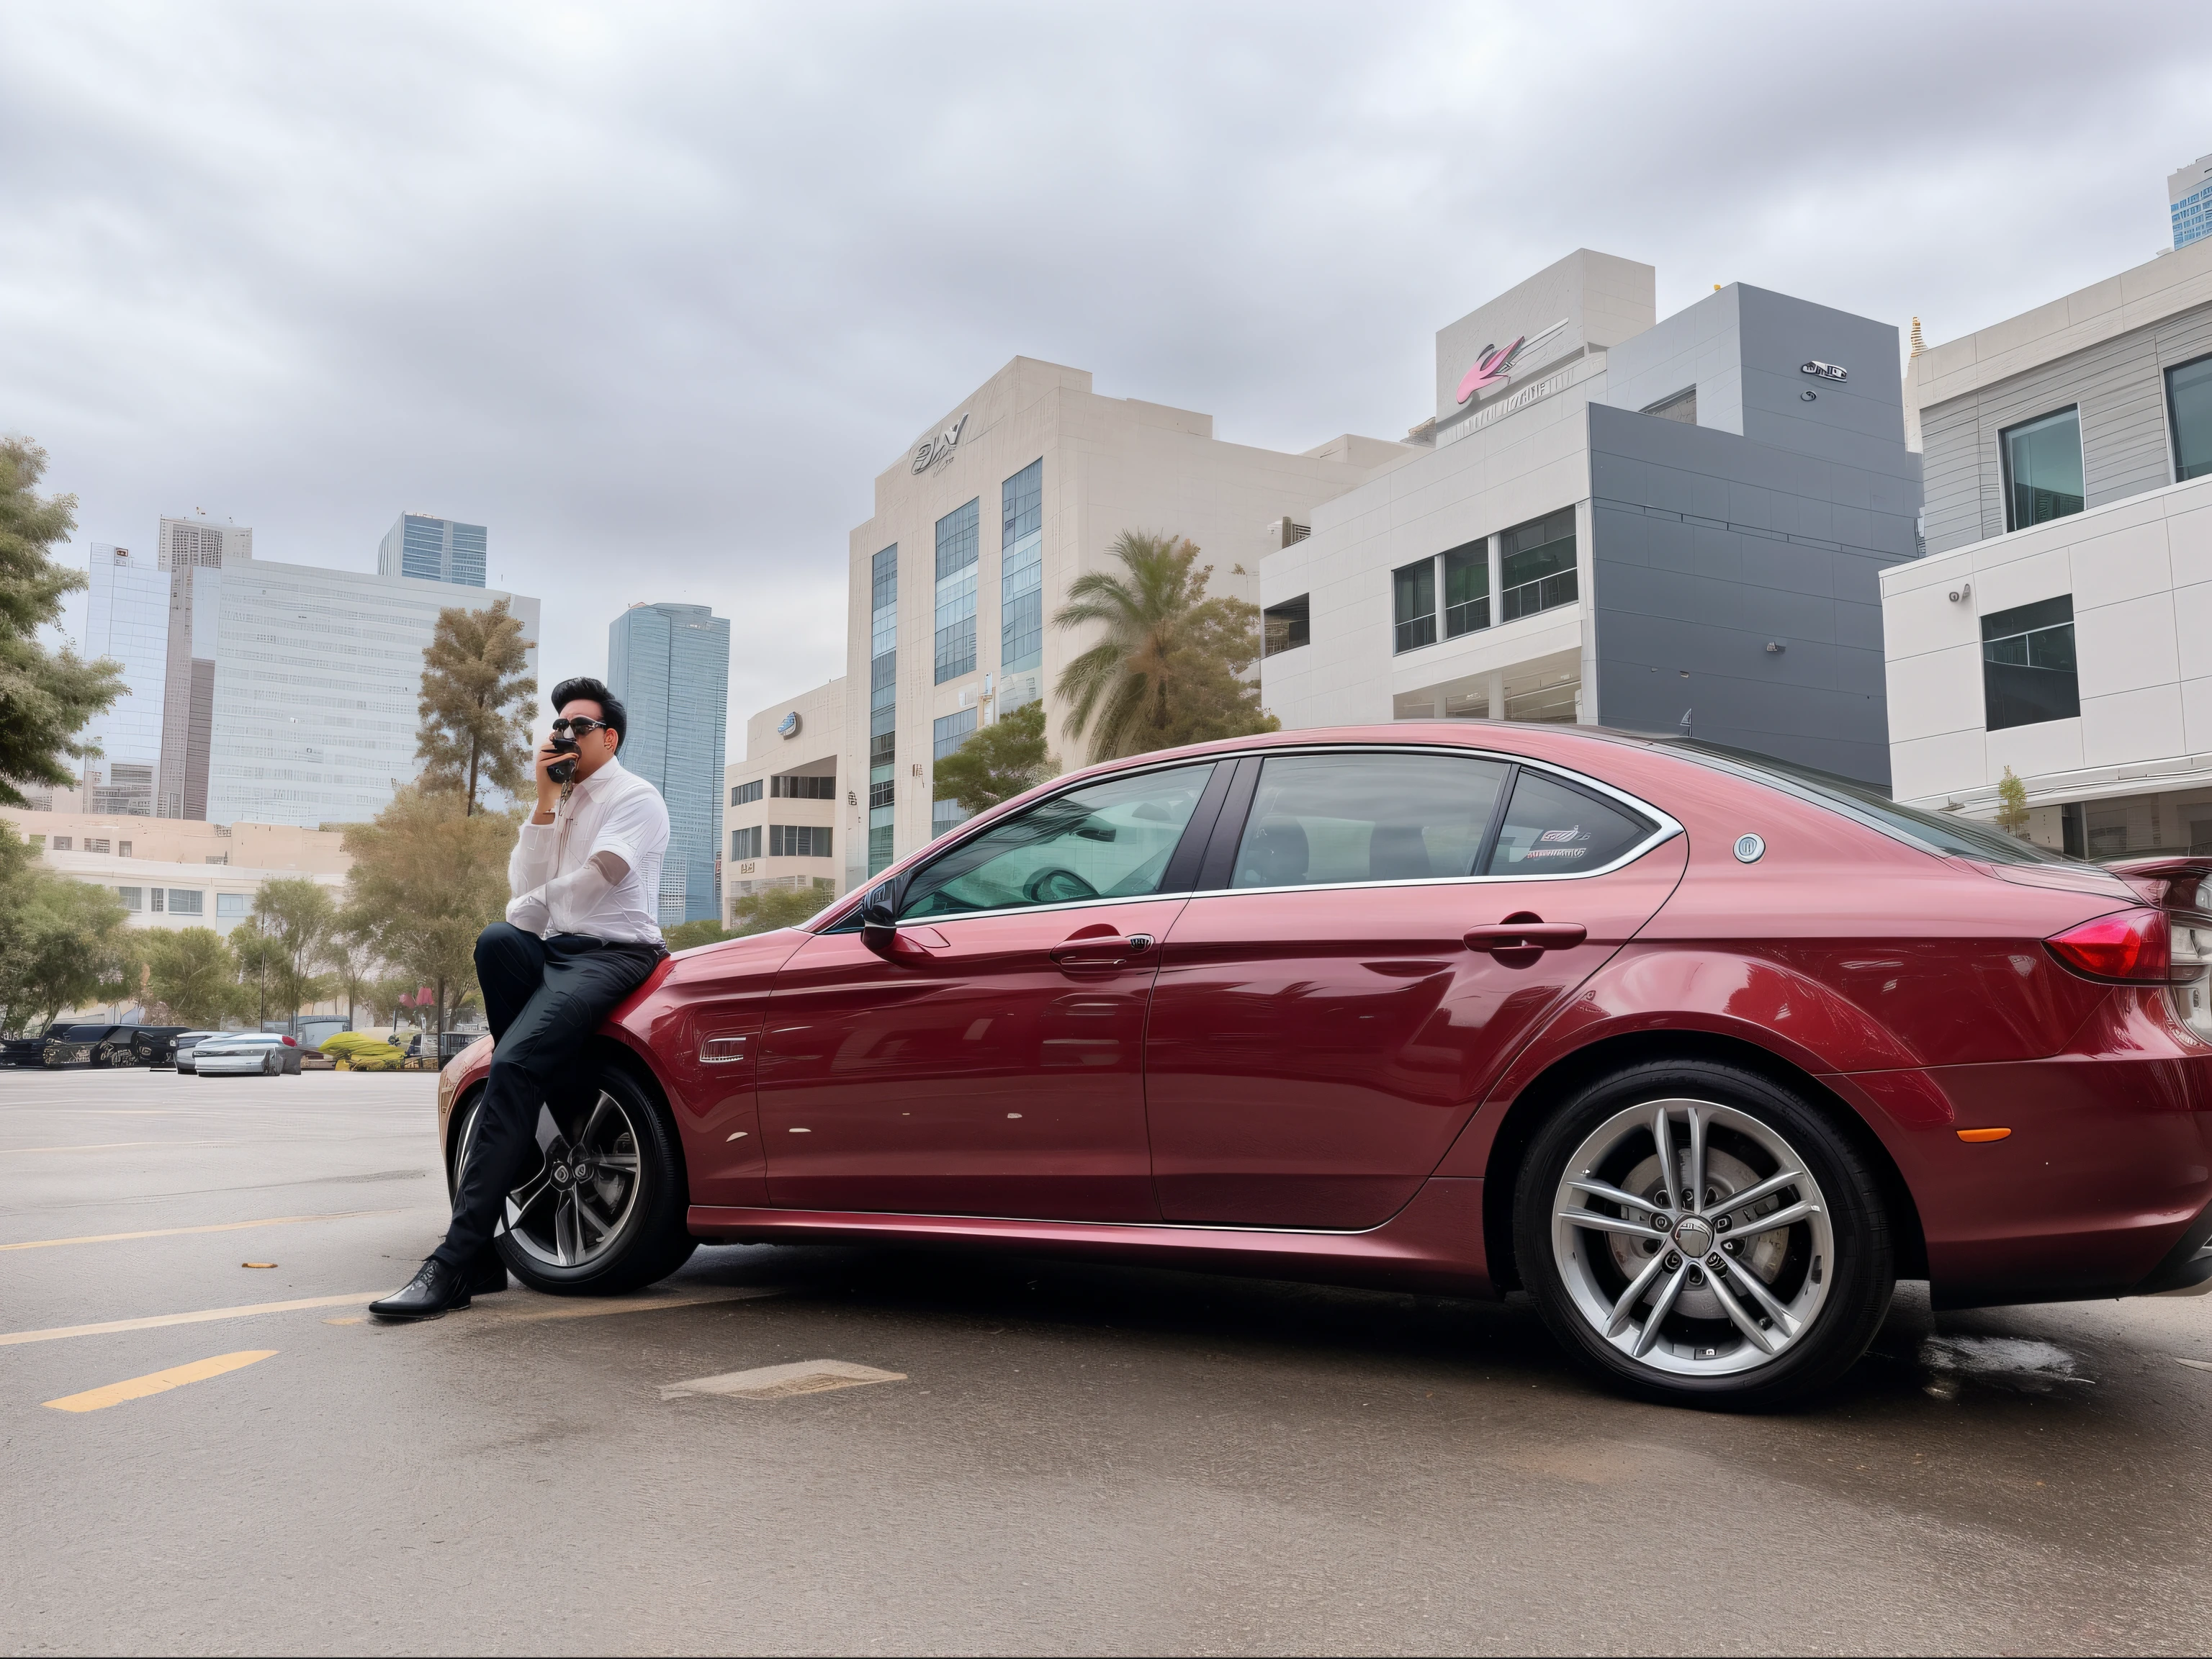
(1327, 819)
(1553, 828)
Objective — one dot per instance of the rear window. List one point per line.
(1939, 832)
(1346, 818)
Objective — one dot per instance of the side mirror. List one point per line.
(878, 928)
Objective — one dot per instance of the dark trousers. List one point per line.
(544, 999)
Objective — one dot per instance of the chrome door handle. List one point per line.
(1101, 952)
(721, 1051)
(1520, 936)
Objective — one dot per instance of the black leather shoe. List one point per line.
(435, 1290)
(487, 1272)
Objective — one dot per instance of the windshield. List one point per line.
(1941, 832)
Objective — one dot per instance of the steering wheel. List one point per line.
(1057, 886)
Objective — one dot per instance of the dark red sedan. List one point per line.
(1703, 1051)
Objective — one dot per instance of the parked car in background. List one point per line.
(247, 1054)
(153, 1045)
(29, 1049)
(96, 1046)
(182, 1045)
(449, 1046)
(1704, 1051)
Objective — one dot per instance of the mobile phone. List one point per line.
(563, 771)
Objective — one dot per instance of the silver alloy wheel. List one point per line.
(1693, 1238)
(570, 1213)
(272, 1064)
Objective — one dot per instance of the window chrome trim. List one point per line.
(1669, 827)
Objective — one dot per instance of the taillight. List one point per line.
(2129, 945)
(291, 1042)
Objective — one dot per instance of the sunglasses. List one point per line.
(582, 726)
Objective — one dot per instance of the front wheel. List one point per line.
(1702, 1235)
(600, 1209)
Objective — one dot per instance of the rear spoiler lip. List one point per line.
(2172, 883)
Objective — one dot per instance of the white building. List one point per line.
(315, 680)
(784, 800)
(2061, 626)
(979, 526)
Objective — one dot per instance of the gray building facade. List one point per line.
(1652, 526)
(670, 666)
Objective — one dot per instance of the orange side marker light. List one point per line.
(1975, 1137)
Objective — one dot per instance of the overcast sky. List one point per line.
(654, 290)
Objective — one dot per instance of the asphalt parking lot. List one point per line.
(1072, 1459)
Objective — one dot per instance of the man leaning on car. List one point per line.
(581, 934)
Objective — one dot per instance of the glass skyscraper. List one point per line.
(670, 665)
(433, 550)
(127, 618)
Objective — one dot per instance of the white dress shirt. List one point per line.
(596, 868)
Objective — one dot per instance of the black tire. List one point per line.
(651, 1240)
(1742, 1115)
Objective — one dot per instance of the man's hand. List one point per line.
(549, 791)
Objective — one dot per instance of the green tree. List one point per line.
(1169, 669)
(2012, 804)
(476, 703)
(297, 913)
(81, 948)
(18, 881)
(46, 696)
(427, 876)
(997, 762)
(778, 907)
(350, 952)
(195, 974)
(688, 935)
(261, 963)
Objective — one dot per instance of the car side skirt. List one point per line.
(1433, 1244)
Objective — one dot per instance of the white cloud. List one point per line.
(654, 292)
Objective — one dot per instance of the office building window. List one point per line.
(798, 840)
(956, 591)
(802, 789)
(184, 901)
(2028, 665)
(2042, 469)
(744, 794)
(2189, 400)
(744, 843)
(1413, 604)
(122, 849)
(1287, 626)
(134, 899)
(230, 904)
(1021, 569)
(948, 732)
(95, 844)
(154, 897)
(945, 815)
(1537, 566)
(62, 843)
(883, 710)
(1467, 588)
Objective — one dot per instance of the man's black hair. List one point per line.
(591, 690)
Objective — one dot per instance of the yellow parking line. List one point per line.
(174, 1232)
(95, 1399)
(158, 1320)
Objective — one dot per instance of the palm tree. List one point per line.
(1169, 669)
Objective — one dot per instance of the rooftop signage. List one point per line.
(928, 453)
(1494, 365)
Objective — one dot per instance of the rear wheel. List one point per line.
(114, 1054)
(601, 1208)
(272, 1064)
(1702, 1235)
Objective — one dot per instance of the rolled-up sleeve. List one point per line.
(634, 827)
